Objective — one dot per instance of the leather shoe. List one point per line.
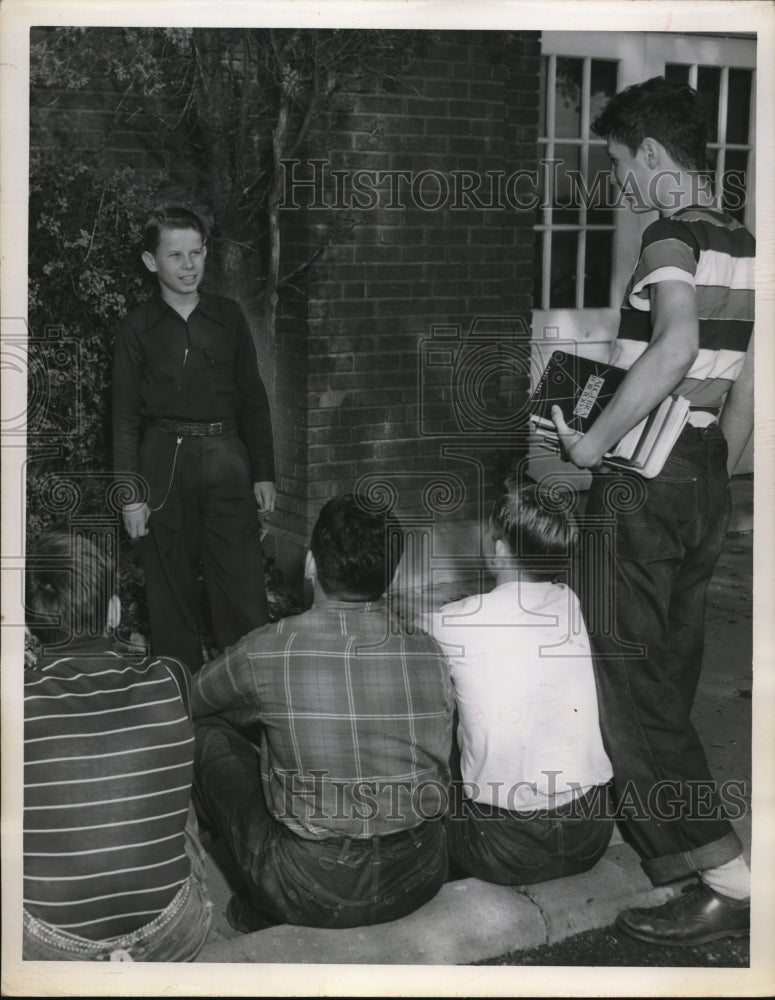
(695, 917)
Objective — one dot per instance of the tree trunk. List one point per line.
(273, 216)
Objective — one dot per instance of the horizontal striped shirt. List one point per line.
(353, 718)
(715, 254)
(108, 760)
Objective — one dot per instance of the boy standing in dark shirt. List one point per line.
(191, 417)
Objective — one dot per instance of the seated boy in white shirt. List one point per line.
(529, 802)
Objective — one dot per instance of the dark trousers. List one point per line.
(650, 548)
(203, 513)
(344, 882)
(511, 848)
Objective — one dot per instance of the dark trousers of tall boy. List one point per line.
(203, 512)
(647, 630)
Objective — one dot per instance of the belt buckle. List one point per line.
(216, 428)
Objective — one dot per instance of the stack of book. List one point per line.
(582, 388)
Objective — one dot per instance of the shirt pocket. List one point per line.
(218, 366)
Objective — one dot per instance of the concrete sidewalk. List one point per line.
(470, 920)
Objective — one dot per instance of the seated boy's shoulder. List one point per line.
(468, 605)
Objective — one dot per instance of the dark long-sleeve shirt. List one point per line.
(202, 369)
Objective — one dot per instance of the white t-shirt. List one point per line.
(529, 733)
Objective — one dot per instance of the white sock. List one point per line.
(732, 879)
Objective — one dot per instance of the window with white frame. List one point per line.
(581, 242)
(575, 231)
(725, 92)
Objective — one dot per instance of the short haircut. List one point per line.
(68, 586)
(669, 112)
(534, 521)
(356, 549)
(171, 217)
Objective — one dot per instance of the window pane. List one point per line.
(735, 182)
(562, 293)
(598, 172)
(597, 270)
(712, 158)
(602, 86)
(567, 103)
(708, 83)
(544, 175)
(538, 269)
(676, 73)
(543, 99)
(739, 110)
(566, 194)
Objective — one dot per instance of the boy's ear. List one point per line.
(502, 551)
(149, 260)
(652, 151)
(310, 569)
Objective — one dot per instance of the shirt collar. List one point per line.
(98, 646)
(330, 604)
(712, 210)
(208, 305)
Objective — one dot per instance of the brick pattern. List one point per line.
(377, 403)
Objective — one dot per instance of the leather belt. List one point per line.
(193, 429)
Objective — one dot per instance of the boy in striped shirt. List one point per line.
(113, 869)
(686, 328)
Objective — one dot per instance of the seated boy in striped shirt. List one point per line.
(113, 869)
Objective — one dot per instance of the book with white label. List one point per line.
(582, 388)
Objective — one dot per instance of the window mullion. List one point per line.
(546, 255)
(723, 105)
(581, 249)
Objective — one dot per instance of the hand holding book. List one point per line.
(572, 393)
(571, 443)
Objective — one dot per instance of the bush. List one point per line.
(85, 224)
(84, 273)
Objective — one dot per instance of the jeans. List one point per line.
(649, 551)
(511, 848)
(343, 882)
(177, 934)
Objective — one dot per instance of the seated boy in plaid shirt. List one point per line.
(322, 744)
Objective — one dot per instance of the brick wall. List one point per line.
(399, 388)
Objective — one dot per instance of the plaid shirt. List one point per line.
(352, 716)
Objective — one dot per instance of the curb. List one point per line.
(466, 922)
